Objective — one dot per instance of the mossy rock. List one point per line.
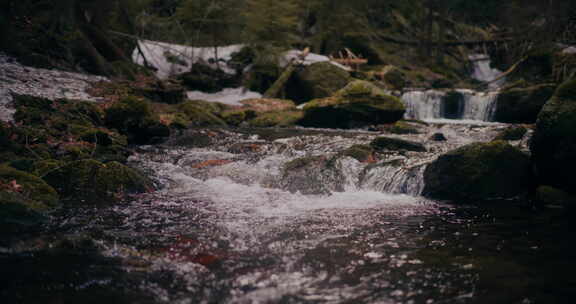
(206, 79)
(553, 144)
(522, 105)
(478, 172)
(163, 93)
(134, 117)
(512, 133)
(19, 213)
(318, 80)
(262, 105)
(277, 119)
(394, 78)
(200, 114)
(361, 153)
(235, 117)
(358, 104)
(552, 196)
(39, 193)
(382, 144)
(94, 182)
(400, 127)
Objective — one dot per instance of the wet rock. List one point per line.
(37, 192)
(134, 117)
(512, 133)
(204, 78)
(438, 137)
(318, 80)
(522, 105)
(477, 172)
(311, 175)
(200, 113)
(362, 153)
(277, 119)
(395, 144)
(93, 182)
(358, 104)
(399, 127)
(162, 92)
(553, 144)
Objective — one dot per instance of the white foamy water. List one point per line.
(484, 72)
(229, 96)
(430, 105)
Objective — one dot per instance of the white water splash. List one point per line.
(484, 72)
(429, 105)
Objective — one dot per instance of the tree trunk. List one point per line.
(279, 84)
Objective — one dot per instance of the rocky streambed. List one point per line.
(267, 215)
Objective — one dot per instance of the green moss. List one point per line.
(234, 117)
(200, 115)
(361, 153)
(478, 171)
(302, 162)
(33, 188)
(567, 90)
(401, 127)
(277, 119)
(512, 133)
(94, 182)
(128, 111)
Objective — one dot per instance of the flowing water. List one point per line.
(231, 225)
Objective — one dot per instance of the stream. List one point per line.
(229, 226)
(237, 220)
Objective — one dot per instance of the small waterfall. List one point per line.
(459, 104)
(483, 72)
(394, 178)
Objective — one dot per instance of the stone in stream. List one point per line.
(553, 144)
(318, 80)
(478, 172)
(438, 137)
(359, 104)
(395, 144)
(522, 105)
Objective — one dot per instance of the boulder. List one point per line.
(93, 182)
(285, 118)
(34, 189)
(134, 117)
(553, 144)
(204, 78)
(512, 133)
(522, 105)
(312, 175)
(395, 144)
(478, 172)
(358, 104)
(318, 80)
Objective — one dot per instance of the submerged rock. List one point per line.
(553, 144)
(395, 144)
(358, 104)
(522, 105)
(311, 175)
(477, 172)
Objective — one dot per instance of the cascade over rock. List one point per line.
(456, 104)
(553, 144)
(358, 104)
(522, 105)
(477, 172)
